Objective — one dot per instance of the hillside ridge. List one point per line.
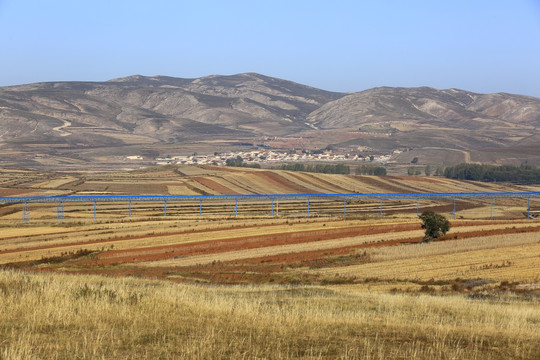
(62, 119)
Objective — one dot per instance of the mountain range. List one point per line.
(76, 123)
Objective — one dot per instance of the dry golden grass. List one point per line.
(68, 317)
(497, 258)
(399, 252)
(53, 184)
(180, 190)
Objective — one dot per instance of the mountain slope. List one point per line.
(153, 115)
(162, 108)
(421, 117)
(451, 108)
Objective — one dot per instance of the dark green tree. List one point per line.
(436, 225)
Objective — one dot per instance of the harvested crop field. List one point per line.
(256, 279)
(285, 241)
(275, 249)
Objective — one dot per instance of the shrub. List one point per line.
(435, 224)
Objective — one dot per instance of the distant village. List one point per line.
(264, 157)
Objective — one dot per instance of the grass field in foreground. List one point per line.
(57, 316)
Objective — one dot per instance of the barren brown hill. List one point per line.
(158, 108)
(77, 123)
(425, 118)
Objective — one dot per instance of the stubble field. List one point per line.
(263, 284)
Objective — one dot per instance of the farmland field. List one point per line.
(262, 282)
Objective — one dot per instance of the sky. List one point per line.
(478, 45)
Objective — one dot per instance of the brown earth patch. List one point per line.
(240, 243)
(281, 182)
(14, 192)
(123, 238)
(209, 183)
(260, 241)
(384, 186)
(317, 181)
(318, 254)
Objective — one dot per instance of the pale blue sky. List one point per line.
(477, 45)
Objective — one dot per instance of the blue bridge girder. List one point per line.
(252, 197)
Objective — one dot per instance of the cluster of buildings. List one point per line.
(262, 157)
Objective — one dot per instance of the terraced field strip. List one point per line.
(467, 242)
(15, 233)
(299, 242)
(400, 249)
(318, 183)
(180, 189)
(262, 251)
(514, 263)
(243, 182)
(157, 236)
(280, 184)
(128, 239)
(221, 244)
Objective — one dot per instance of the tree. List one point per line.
(413, 171)
(379, 171)
(428, 170)
(435, 224)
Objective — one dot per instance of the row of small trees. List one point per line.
(319, 168)
(428, 170)
(239, 162)
(334, 169)
(524, 174)
(370, 170)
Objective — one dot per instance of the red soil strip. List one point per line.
(249, 242)
(316, 254)
(280, 182)
(317, 181)
(42, 247)
(383, 185)
(240, 243)
(209, 183)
